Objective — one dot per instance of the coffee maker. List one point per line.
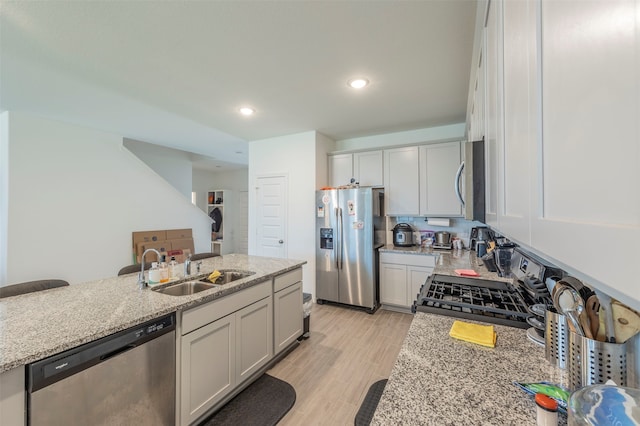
(480, 233)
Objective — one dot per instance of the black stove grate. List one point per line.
(483, 300)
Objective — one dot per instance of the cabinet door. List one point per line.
(367, 168)
(254, 337)
(401, 184)
(393, 284)
(493, 110)
(340, 169)
(438, 166)
(417, 275)
(587, 214)
(520, 119)
(287, 316)
(208, 369)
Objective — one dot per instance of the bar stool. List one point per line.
(30, 287)
(130, 269)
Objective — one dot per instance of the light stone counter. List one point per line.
(439, 380)
(36, 325)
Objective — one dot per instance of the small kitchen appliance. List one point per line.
(443, 241)
(403, 235)
(479, 233)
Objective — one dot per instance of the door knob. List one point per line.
(281, 241)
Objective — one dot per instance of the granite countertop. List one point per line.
(36, 325)
(449, 260)
(440, 380)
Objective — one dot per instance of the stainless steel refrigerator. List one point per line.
(349, 231)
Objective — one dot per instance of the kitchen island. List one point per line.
(439, 380)
(36, 325)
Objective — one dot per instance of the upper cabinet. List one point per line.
(561, 131)
(401, 174)
(438, 166)
(364, 167)
(588, 181)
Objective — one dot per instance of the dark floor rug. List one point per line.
(370, 403)
(263, 403)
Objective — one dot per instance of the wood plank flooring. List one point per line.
(347, 351)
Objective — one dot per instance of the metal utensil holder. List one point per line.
(593, 362)
(556, 339)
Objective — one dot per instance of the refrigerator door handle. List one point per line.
(457, 183)
(336, 245)
(341, 237)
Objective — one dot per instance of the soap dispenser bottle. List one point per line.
(154, 274)
(173, 269)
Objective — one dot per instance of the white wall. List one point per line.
(296, 157)
(4, 193)
(441, 133)
(173, 165)
(75, 195)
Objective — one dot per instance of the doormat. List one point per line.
(263, 403)
(370, 403)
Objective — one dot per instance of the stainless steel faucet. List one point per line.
(142, 284)
(187, 266)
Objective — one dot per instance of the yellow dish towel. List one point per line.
(214, 276)
(481, 334)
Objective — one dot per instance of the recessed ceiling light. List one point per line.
(358, 83)
(247, 111)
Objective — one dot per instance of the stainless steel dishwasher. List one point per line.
(126, 378)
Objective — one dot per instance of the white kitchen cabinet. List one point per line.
(493, 109)
(586, 211)
(222, 343)
(208, 367)
(516, 149)
(401, 276)
(365, 167)
(401, 181)
(288, 316)
(438, 166)
(340, 169)
(255, 337)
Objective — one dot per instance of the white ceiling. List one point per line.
(174, 73)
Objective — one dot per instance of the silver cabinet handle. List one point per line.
(457, 183)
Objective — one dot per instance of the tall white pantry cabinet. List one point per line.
(562, 108)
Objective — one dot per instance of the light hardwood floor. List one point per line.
(331, 371)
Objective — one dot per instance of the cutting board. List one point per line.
(626, 322)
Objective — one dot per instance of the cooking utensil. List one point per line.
(592, 307)
(626, 322)
(443, 238)
(569, 303)
(586, 326)
(605, 304)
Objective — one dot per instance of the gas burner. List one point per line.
(471, 298)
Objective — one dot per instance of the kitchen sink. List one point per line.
(228, 276)
(185, 289)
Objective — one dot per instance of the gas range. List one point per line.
(490, 301)
(496, 302)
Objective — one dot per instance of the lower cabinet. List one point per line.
(223, 343)
(287, 309)
(401, 276)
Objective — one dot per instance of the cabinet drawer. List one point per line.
(285, 280)
(204, 314)
(426, 260)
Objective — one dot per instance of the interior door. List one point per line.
(242, 245)
(271, 212)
